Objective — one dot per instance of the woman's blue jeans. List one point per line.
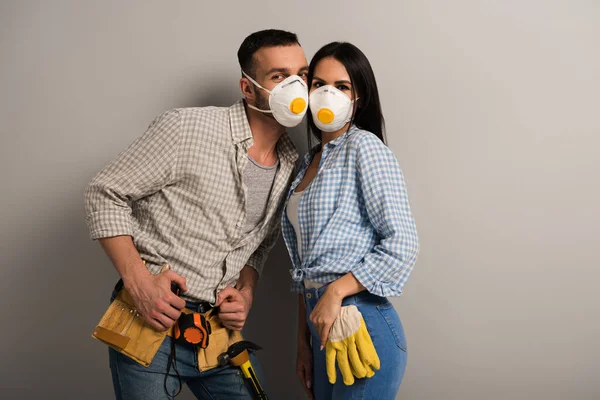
(387, 334)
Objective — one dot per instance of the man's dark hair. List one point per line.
(258, 40)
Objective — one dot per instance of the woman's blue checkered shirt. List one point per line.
(354, 217)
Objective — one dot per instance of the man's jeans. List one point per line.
(133, 381)
(387, 334)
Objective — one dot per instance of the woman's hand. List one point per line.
(326, 312)
(304, 366)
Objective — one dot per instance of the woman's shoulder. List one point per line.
(366, 142)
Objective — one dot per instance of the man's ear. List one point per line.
(247, 89)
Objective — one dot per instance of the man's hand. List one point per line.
(155, 301)
(234, 306)
(304, 367)
(151, 293)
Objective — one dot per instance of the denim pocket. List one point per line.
(392, 319)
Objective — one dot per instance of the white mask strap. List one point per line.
(352, 101)
(266, 90)
(256, 83)
(258, 109)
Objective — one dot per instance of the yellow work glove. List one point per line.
(350, 344)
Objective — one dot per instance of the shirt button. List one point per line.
(308, 295)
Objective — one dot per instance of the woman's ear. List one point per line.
(356, 98)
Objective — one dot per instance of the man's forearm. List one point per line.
(303, 331)
(125, 257)
(247, 281)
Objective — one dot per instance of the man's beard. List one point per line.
(262, 102)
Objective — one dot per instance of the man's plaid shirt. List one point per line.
(178, 191)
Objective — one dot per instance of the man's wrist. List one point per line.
(247, 282)
(133, 275)
(303, 336)
(303, 342)
(248, 293)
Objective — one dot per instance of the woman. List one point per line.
(348, 227)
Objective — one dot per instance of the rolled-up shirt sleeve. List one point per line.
(144, 168)
(385, 269)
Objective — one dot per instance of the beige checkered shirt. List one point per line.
(178, 191)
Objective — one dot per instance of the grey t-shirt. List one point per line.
(259, 181)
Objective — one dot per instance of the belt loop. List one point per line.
(204, 308)
(320, 291)
(201, 308)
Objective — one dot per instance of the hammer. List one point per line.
(238, 356)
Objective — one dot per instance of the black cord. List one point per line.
(172, 362)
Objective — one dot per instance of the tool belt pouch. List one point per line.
(220, 340)
(123, 329)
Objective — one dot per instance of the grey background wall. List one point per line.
(492, 110)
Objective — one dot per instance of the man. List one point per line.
(201, 191)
